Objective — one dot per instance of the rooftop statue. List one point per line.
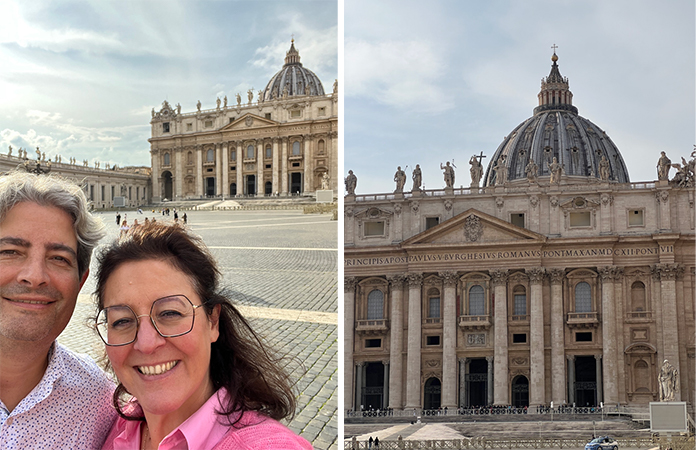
(663, 166)
(351, 183)
(448, 174)
(400, 178)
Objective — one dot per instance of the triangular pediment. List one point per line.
(474, 227)
(248, 122)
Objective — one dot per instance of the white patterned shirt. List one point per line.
(70, 408)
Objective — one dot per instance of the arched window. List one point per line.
(250, 152)
(296, 148)
(583, 297)
(210, 155)
(269, 152)
(321, 146)
(233, 155)
(477, 306)
(375, 305)
(433, 304)
(638, 296)
(167, 159)
(189, 157)
(520, 301)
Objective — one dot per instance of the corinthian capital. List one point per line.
(556, 275)
(500, 277)
(536, 274)
(607, 272)
(396, 281)
(349, 284)
(415, 280)
(449, 278)
(667, 271)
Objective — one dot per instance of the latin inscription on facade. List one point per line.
(503, 255)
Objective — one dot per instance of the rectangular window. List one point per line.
(434, 307)
(373, 343)
(102, 193)
(165, 127)
(233, 155)
(269, 153)
(580, 219)
(520, 307)
(268, 166)
(431, 222)
(189, 127)
(268, 116)
(519, 338)
(233, 168)
(321, 111)
(112, 192)
(129, 193)
(517, 219)
(295, 113)
(231, 120)
(583, 337)
(635, 218)
(295, 164)
(374, 228)
(209, 124)
(137, 193)
(91, 192)
(432, 340)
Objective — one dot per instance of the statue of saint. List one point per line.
(351, 183)
(663, 166)
(224, 102)
(476, 170)
(669, 382)
(325, 180)
(153, 113)
(38, 154)
(286, 92)
(307, 90)
(604, 169)
(250, 95)
(555, 168)
(448, 174)
(335, 86)
(178, 108)
(400, 178)
(239, 99)
(532, 171)
(9, 153)
(218, 102)
(198, 106)
(417, 177)
(500, 171)
(260, 96)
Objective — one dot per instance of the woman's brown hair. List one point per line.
(239, 360)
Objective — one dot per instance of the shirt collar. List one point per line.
(205, 427)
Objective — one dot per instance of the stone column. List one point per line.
(668, 274)
(284, 167)
(490, 381)
(610, 388)
(225, 165)
(260, 184)
(449, 341)
(349, 331)
(537, 389)
(599, 375)
(179, 173)
(359, 368)
(501, 395)
(199, 171)
(274, 164)
(385, 400)
(663, 216)
(308, 185)
(413, 359)
(396, 342)
(218, 169)
(571, 379)
(558, 362)
(240, 169)
(463, 364)
(156, 192)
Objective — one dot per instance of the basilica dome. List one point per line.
(557, 130)
(293, 79)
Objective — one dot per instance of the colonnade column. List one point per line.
(537, 389)
(668, 274)
(225, 166)
(349, 327)
(609, 378)
(462, 382)
(359, 369)
(308, 160)
(260, 185)
(501, 395)
(385, 399)
(598, 375)
(413, 360)
(199, 171)
(571, 379)
(490, 380)
(274, 164)
(558, 362)
(396, 340)
(156, 192)
(178, 174)
(449, 341)
(218, 169)
(284, 167)
(240, 169)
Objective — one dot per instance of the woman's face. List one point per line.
(183, 382)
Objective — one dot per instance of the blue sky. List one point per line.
(79, 78)
(427, 82)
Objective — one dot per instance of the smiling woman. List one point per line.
(191, 370)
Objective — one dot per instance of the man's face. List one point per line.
(39, 279)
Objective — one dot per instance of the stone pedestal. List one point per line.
(324, 196)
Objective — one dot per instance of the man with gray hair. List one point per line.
(50, 398)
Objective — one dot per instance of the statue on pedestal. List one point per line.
(400, 178)
(417, 177)
(500, 171)
(351, 183)
(555, 169)
(476, 169)
(663, 166)
(532, 171)
(669, 381)
(448, 174)
(604, 169)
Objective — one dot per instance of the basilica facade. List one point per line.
(557, 279)
(280, 141)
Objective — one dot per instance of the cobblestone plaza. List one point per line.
(280, 267)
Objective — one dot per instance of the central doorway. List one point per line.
(373, 392)
(251, 185)
(295, 183)
(585, 381)
(432, 396)
(520, 391)
(477, 382)
(210, 186)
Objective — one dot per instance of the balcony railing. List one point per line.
(520, 318)
(639, 316)
(475, 322)
(583, 319)
(372, 326)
